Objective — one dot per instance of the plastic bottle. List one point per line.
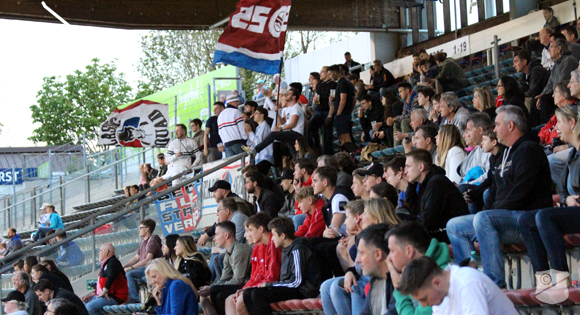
(473, 261)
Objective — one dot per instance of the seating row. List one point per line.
(99, 203)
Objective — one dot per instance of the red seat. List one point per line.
(572, 240)
(275, 307)
(296, 305)
(514, 248)
(283, 306)
(553, 292)
(313, 304)
(105, 229)
(522, 297)
(574, 295)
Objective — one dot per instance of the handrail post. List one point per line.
(243, 164)
(62, 212)
(34, 205)
(144, 158)
(141, 213)
(94, 245)
(14, 190)
(88, 193)
(116, 171)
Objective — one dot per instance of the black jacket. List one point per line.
(382, 79)
(327, 207)
(376, 113)
(299, 269)
(476, 194)
(533, 84)
(522, 181)
(57, 281)
(111, 270)
(268, 203)
(60, 293)
(572, 167)
(195, 271)
(274, 187)
(438, 201)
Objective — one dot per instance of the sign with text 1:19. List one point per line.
(455, 49)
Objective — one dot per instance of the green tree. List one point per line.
(173, 57)
(67, 109)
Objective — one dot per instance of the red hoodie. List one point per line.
(305, 184)
(266, 263)
(314, 224)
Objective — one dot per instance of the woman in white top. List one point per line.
(450, 151)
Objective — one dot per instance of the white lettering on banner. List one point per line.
(455, 49)
(254, 19)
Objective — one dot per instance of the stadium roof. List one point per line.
(201, 14)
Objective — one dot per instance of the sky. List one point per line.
(34, 50)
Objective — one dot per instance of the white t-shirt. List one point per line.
(292, 111)
(335, 203)
(471, 292)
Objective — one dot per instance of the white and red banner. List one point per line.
(255, 36)
(141, 124)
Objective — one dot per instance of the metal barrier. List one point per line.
(93, 224)
(97, 184)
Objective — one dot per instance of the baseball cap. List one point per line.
(232, 98)
(376, 169)
(14, 295)
(220, 184)
(259, 81)
(44, 205)
(287, 174)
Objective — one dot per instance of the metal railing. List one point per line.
(114, 174)
(93, 224)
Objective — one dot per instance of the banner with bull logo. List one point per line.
(141, 124)
(255, 36)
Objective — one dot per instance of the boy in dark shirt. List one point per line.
(299, 274)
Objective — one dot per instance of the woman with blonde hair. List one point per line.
(450, 151)
(358, 187)
(379, 211)
(191, 263)
(483, 101)
(174, 293)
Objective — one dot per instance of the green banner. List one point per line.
(192, 96)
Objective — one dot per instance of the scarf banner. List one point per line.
(255, 36)
(141, 124)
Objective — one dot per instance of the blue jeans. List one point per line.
(394, 150)
(335, 300)
(233, 149)
(492, 229)
(557, 164)
(216, 265)
(461, 234)
(544, 233)
(96, 304)
(298, 220)
(41, 232)
(132, 277)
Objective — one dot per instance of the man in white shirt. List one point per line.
(453, 291)
(231, 127)
(292, 120)
(547, 61)
(179, 154)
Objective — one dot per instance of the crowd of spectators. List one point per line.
(365, 238)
